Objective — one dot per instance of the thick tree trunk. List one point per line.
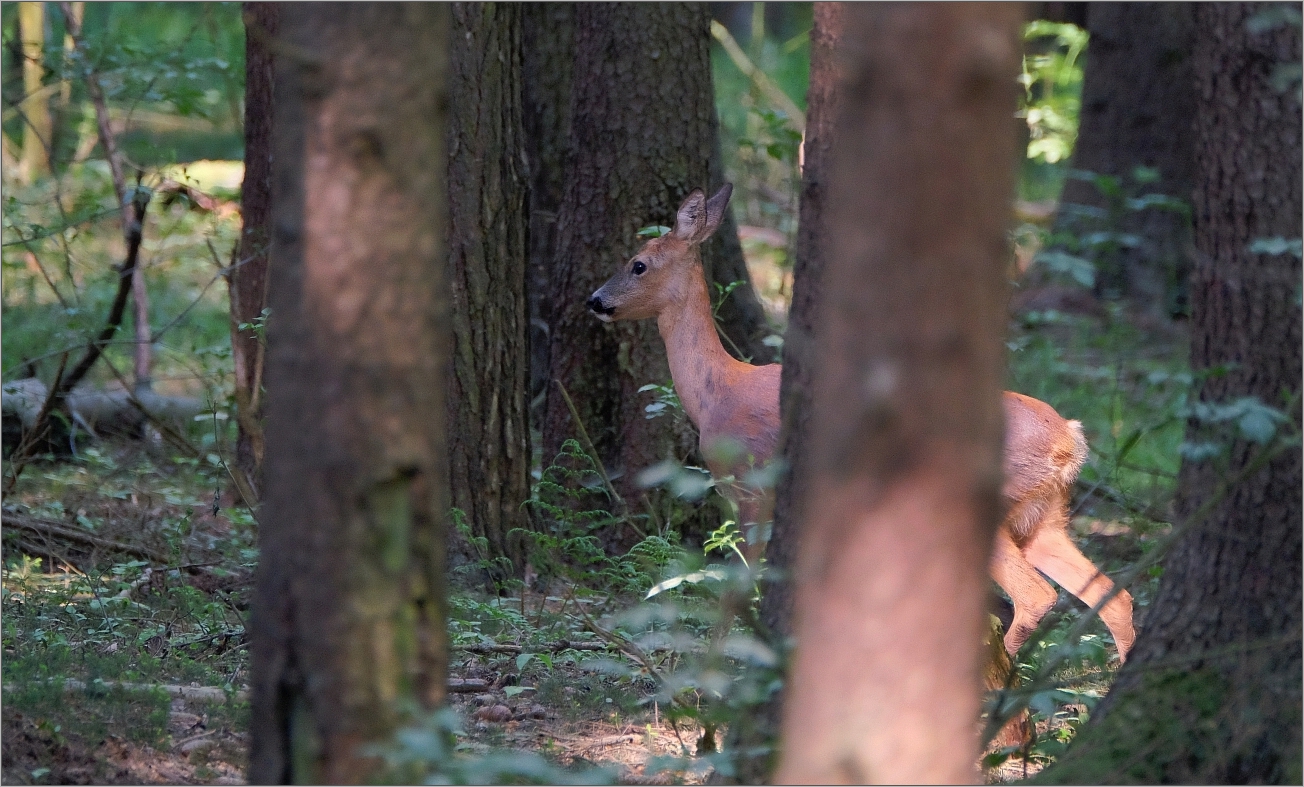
(1211, 693)
(762, 727)
(1135, 112)
(247, 281)
(489, 457)
(548, 53)
(642, 135)
(903, 482)
(349, 616)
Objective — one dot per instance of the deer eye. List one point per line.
(639, 268)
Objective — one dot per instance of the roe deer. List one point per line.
(734, 402)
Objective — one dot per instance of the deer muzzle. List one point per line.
(600, 310)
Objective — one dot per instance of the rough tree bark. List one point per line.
(643, 131)
(489, 458)
(547, 56)
(247, 281)
(1135, 112)
(760, 728)
(903, 486)
(1211, 692)
(349, 609)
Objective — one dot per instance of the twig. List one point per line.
(241, 482)
(140, 202)
(588, 445)
(749, 69)
(597, 460)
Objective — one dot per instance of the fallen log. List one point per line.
(96, 412)
(52, 529)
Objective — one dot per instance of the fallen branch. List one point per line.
(51, 529)
(214, 693)
(466, 685)
(551, 647)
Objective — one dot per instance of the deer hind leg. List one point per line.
(1033, 596)
(1052, 551)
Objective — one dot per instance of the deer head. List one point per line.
(660, 272)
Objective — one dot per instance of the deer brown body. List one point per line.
(737, 404)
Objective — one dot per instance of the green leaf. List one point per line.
(1257, 425)
(1278, 245)
(1081, 270)
(692, 578)
(653, 231)
(512, 691)
(521, 661)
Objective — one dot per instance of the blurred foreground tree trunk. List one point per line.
(1211, 693)
(349, 607)
(247, 281)
(489, 457)
(1137, 94)
(643, 132)
(761, 728)
(903, 466)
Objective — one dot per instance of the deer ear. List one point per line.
(692, 216)
(715, 208)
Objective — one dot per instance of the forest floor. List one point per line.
(128, 571)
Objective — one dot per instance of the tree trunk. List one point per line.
(547, 55)
(1136, 98)
(247, 281)
(761, 728)
(1211, 692)
(489, 458)
(37, 128)
(905, 435)
(349, 615)
(642, 134)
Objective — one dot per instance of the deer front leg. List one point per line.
(755, 509)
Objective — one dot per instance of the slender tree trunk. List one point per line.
(37, 128)
(489, 458)
(761, 728)
(1211, 693)
(548, 52)
(349, 615)
(247, 281)
(1135, 112)
(903, 482)
(642, 134)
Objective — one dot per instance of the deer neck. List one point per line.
(698, 361)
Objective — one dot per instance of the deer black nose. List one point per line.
(595, 306)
